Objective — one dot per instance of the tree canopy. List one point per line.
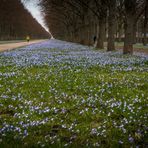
(109, 20)
(16, 22)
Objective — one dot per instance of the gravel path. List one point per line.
(9, 46)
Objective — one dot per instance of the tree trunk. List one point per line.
(129, 31)
(111, 26)
(101, 33)
(135, 34)
(145, 25)
(85, 34)
(144, 36)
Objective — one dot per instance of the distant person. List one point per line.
(28, 38)
(95, 41)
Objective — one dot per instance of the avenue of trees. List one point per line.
(16, 22)
(109, 20)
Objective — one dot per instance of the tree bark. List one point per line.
(111, 26)
(144, 36)
(129, 31)
(134, 33)
(145, 25)
(101, 34)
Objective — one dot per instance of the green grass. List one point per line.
(80, 101)
(14, 41)
(62, 105)
(11, 41)
(137, 45)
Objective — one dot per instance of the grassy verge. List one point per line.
(12, 41)
(136, 46)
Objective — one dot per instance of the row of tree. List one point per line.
(109, 20)
(16, 22)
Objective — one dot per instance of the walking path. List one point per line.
(10, 46)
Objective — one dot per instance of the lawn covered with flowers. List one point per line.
(59, 94)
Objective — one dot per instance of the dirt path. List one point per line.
(10, 46)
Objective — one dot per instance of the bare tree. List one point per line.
(80, 20)
(133, 10)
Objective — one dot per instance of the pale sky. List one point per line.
(35, 11)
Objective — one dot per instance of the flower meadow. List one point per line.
(60, 94)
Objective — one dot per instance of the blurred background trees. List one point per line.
(16, 22)
(109, 20)
(79, 21)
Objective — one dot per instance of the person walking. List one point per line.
(28, 38)
(95, 41)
